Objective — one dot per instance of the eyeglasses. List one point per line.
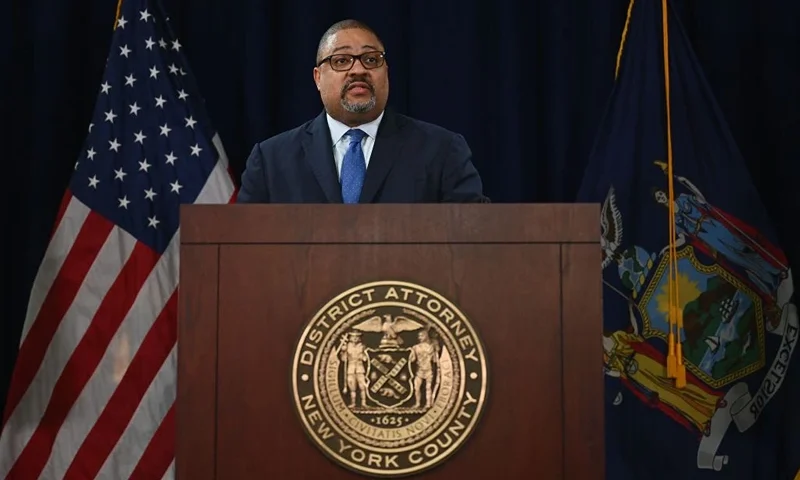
(342, 62)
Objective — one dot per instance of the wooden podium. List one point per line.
(527, 276)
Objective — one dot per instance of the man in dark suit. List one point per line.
(356, 151)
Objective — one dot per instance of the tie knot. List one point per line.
(356, 135)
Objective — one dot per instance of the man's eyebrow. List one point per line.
(348, 47)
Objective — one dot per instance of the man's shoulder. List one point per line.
(296, 136)
(292, 136)
(423, 127)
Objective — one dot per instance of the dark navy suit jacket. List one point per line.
(412, 162)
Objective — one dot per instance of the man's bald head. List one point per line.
(338, 27)
(351, 73)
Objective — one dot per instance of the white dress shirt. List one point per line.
(341, 142)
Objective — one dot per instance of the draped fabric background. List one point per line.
(526, 81)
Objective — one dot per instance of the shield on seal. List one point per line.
(724, 319)
(390, 377)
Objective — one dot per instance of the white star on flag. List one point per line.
(94, 383)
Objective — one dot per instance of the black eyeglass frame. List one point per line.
(354, 58)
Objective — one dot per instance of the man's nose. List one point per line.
(358, 68)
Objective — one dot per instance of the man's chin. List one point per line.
(358, 107)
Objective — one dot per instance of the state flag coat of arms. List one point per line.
(700, 321)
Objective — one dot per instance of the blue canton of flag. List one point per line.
(719, 412)
(93, 388)
(150, 146)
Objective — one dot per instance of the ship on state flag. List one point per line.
(700, 332)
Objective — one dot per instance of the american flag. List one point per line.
(94, 383)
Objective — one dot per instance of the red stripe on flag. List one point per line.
(235, 192)
(88, 243)
(122, 405)
(159, 453)
(85, 358)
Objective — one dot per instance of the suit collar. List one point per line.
(319, 153)
(339, 129)
(387, 151)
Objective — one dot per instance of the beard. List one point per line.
(359, 106)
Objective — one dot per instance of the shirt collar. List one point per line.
(338, 129)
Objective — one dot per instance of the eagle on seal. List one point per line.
(390, 327)
(610, 228)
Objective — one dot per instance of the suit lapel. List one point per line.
(318, 149)
(385, 153)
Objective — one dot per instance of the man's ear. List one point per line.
(316, 77)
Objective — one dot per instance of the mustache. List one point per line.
(353, 80)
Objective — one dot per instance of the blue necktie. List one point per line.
(354, 168)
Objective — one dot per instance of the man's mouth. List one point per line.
(359, 88)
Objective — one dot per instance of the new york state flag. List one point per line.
(715, 399)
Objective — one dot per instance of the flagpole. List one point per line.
(624, 37)
(116, 17)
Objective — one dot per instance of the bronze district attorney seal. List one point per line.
(389, 378)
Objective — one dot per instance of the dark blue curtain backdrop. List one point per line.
(526, 81)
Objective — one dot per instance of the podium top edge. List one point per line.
(391, 223)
